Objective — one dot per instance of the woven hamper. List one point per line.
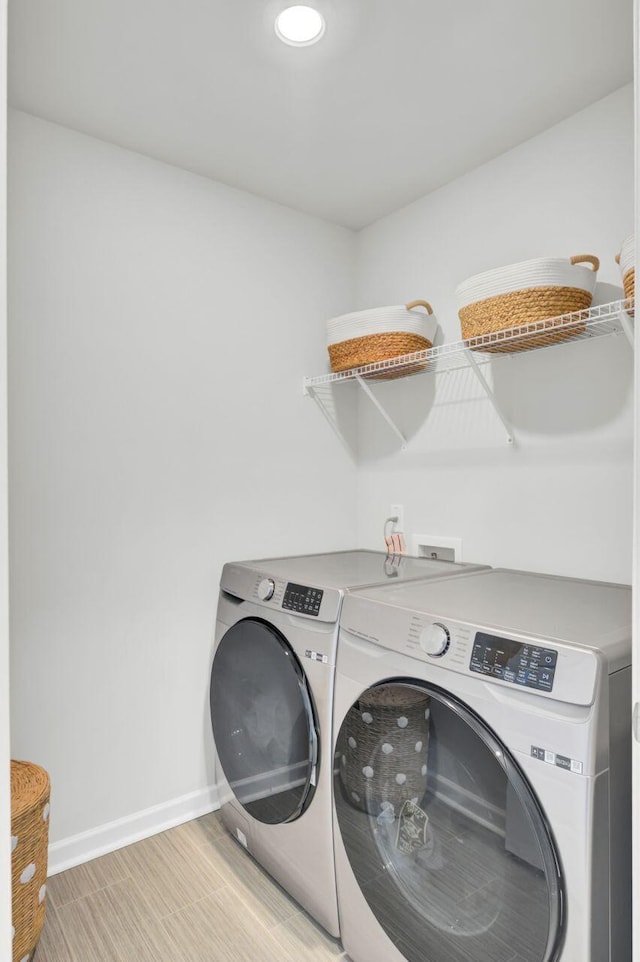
(531, 292)
(383, 752)
(381, 337)
(30, 790)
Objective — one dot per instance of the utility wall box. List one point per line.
(436, 546)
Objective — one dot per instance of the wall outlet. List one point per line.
(397, 511)
(436, 546)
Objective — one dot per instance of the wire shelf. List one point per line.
(601, 321)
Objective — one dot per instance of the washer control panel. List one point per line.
(302, 598)
(530, 665)
(516, 660)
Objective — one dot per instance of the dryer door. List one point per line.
(444, 835)
(263, 721)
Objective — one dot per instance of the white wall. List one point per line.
(5, 813)
(636, 527)
(560, 500)
(160, 326)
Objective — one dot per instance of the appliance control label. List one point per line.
(303, 599)
(316, 656)
(560, 761)
(531, 666)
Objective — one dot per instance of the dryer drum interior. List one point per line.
(264, 722)
(463, 866)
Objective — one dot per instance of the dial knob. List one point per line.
(266, 588)
(434, 640)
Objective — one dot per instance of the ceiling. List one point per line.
(399, 97)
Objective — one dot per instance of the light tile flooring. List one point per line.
(188, 895)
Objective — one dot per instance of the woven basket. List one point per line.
(531, 292)
(382, 345)
(626, 260)
(383, 749)
(30, 790)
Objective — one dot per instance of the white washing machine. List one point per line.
(482, 771)
(271, 707)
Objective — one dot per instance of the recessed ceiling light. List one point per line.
(300, 26)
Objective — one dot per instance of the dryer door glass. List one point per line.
(263, 722)
(444, 835)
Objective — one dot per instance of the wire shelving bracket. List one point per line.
(602, 320)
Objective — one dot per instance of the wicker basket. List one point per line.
(382, 334)
(30, 790)
(382, 753)
(626, 259)
(530, 292)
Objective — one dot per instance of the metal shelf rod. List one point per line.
(374, 400)
(310, 392)
(490, 396)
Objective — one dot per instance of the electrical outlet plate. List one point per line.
(397, 511)
(437, 546)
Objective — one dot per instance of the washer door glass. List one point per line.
(263, 722)
(444, 836)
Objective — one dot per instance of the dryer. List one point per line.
(271, 697)
(501, 704)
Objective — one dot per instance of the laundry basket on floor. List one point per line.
(30, 790)
(383, 751)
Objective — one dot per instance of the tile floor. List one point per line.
(188, 895)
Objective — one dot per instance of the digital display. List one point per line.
(301, 598)
(521, 664)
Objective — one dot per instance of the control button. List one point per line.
(266, 588)
(434, 640)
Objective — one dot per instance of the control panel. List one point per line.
(529, 665)
(302, 598)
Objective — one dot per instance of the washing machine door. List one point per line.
(443, 833)
(264, 723)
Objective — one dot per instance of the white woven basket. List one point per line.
(378, 334)
(627, 262)
(527, 292)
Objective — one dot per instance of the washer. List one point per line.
(271, 707)
(512, 841)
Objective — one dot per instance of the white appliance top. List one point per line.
(346, 570)
(540, 610)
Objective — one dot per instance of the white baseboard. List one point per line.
(77, 849)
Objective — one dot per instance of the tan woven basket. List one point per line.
(358, 351)
(629, 283)
(30, 791)
(527, 306)
(382, 753)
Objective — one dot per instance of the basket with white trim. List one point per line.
(30, 790)
(379, 334)
(626, 260)
(536, 291)
(382, 754)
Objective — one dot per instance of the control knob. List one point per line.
(434, 640)
(266, 588)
